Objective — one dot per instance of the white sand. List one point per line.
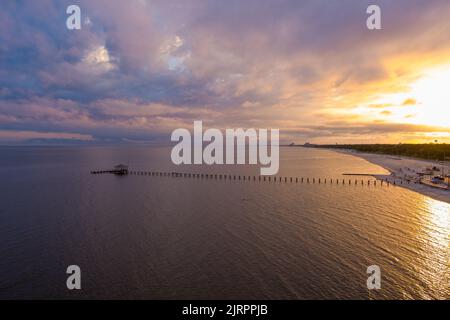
(403, 169)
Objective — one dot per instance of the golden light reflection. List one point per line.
(437, 226)
(440, 220)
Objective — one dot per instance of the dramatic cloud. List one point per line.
(139, 69)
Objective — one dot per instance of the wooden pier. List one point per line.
(123, 170)
(120, 169)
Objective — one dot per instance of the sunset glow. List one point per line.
(424, 102)
(138, 70)
(432, 93)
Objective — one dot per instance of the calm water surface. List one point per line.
(176, 238)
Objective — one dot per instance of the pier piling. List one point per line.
(279, 179)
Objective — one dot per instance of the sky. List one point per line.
(137, 70)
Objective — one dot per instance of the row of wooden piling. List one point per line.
(278, 179)
(119, 172)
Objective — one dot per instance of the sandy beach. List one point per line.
(403, 171)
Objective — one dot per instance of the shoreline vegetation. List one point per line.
(430, 151)
(423, 168)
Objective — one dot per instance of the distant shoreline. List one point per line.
(423, 151)
(402, 169)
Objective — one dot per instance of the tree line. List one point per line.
(430, 151)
